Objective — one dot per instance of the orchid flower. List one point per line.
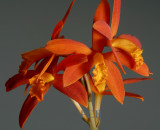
(126, 48)
(42, 77)
(82, 59)
(78, 61)
(105, 72)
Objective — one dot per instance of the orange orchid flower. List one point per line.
(126, 48)
(39, 88)
(105, 72)
(42, 77)
(78, 62)
(84, 58)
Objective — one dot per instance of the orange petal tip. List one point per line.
(76, 91)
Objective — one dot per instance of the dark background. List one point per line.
(27, 25)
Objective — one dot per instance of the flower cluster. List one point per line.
(78, 61)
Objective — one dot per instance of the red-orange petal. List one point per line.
(71, 60)
(134, 95)
(135, 80)
(57, 30)
(115, 16)
(31, 57)
(115, 82)
(76, 91)
(60, 24)
(29, 105)
(75, 72)
(103, 28)
(18, 80)
(131, 38)
(26, 109)
(102, 12)
(128, 94)
(68, 11)
(67, 46)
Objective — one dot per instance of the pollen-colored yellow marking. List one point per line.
(37, 91)
(100, 75)
(137, 55)
(38, 86)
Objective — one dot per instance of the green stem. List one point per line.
(90, 105)
(97, 106)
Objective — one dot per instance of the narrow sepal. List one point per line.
(68, 11)
(102, 12)
(57, 30)
(133, 95)
(127, 94)
(117, 58)
(115, 16)
(135, 80)
(28, 106)
(60, 24)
